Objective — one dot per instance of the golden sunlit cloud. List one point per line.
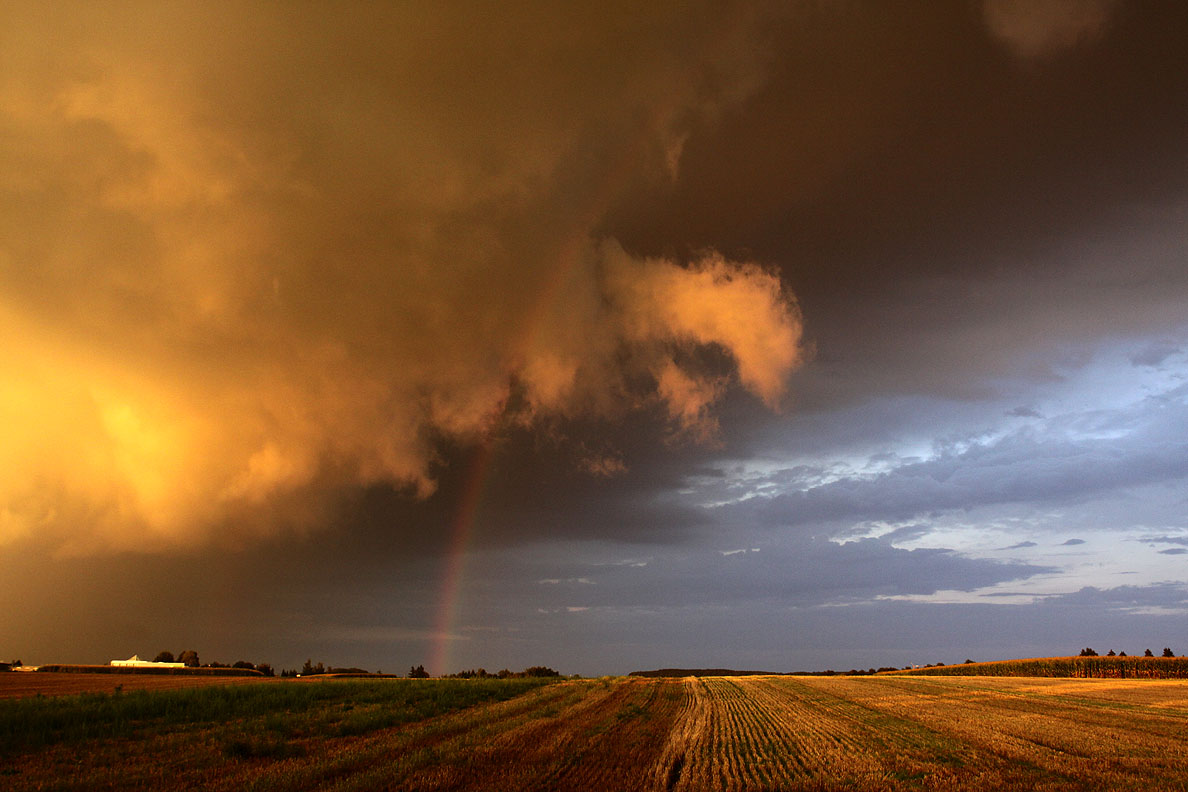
(237, 275)
(150, 456)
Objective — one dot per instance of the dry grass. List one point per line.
(743, 733)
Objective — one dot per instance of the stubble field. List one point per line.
(717, 733)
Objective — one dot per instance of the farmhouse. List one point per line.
(135, 660)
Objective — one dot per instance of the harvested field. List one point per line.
(875, 733)
(715, 733)
(20, 684)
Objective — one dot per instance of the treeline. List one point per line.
(190, 658)
(310, 668)
(1083, 666)
(532, 672)
(1088, 652)
(419, 672)
(726, 672)
(697, 672)
(315, 669)
(192, 665)
(851, 672)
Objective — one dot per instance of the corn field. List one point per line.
(1082, 667)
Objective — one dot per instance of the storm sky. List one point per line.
(772, 336)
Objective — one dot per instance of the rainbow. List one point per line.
(455, 567)
(572, 247)
(569, 255)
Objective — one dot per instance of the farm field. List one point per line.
(714, 733)
(20, 684)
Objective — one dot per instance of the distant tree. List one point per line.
(1167, 652)
(1088, 652)
(1110, 653)
(967, 661)
(265, 669)
(418, 673)
(1148, 653)
(243, 664)
(540, 671)
(1121, 654)
(163, 657)
(288, 673)
(189, 657)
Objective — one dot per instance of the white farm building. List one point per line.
(135, 660)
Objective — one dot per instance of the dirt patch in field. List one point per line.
(24, 684)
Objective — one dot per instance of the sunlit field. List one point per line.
(716, 733)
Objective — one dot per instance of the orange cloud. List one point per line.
(250, 257)
(740, 307)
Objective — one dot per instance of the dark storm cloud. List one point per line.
(901, 168)
(941, 207)
(923, 139)
(282, 277)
